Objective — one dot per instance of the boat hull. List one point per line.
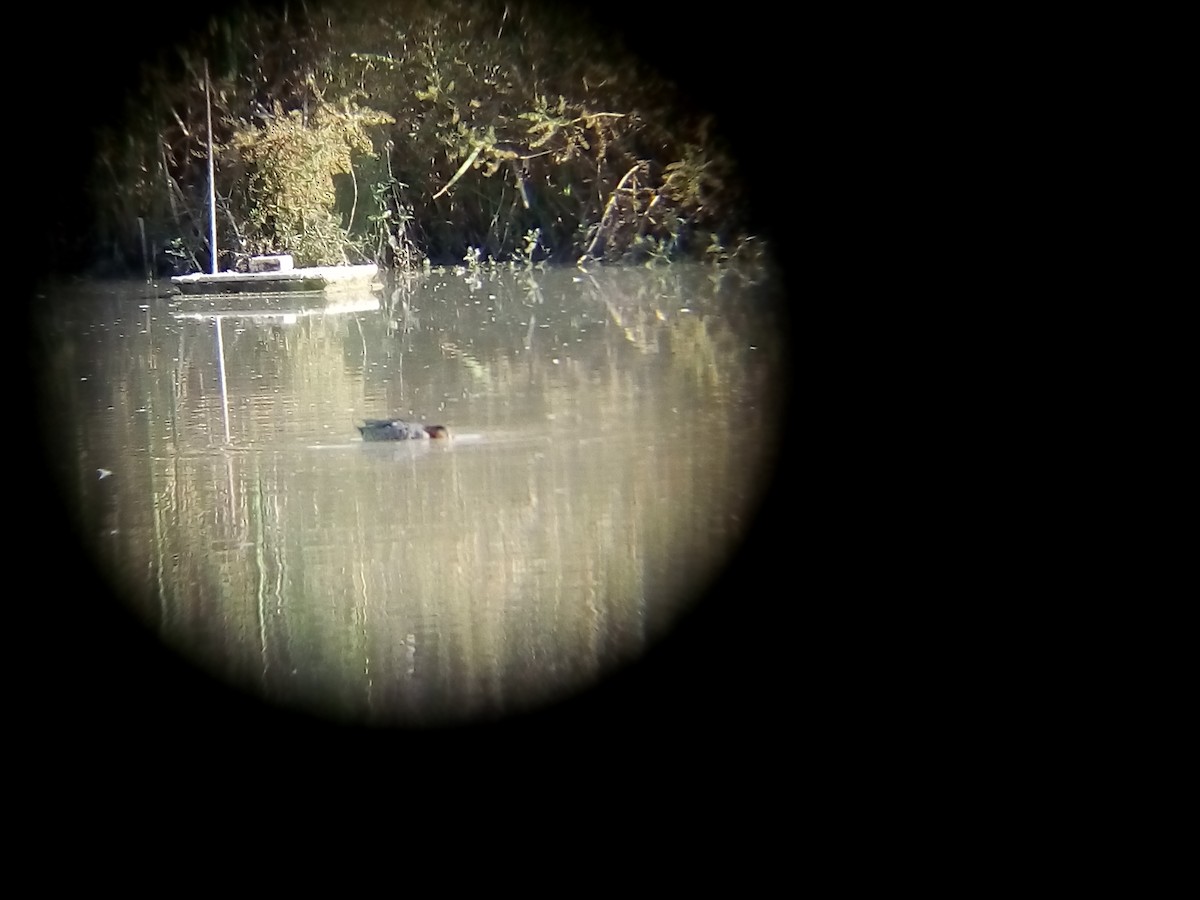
(317, 279)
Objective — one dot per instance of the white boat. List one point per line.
(268, 280)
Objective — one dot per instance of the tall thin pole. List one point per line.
(212, 184)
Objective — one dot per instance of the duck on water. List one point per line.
(397, 430)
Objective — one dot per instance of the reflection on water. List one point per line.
(614, 429)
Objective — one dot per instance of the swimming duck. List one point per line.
(396, 430)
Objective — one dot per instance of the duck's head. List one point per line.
(437, 431)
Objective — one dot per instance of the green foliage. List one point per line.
(496, 119)
(292, 163)
(524, 255)
(691, 180)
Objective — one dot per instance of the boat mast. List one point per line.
(212, 188)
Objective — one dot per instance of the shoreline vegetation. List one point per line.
(411, 133)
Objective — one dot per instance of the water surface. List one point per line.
(613, 433)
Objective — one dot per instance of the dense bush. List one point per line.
(397, 131)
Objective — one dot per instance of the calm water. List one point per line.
(613, 432)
